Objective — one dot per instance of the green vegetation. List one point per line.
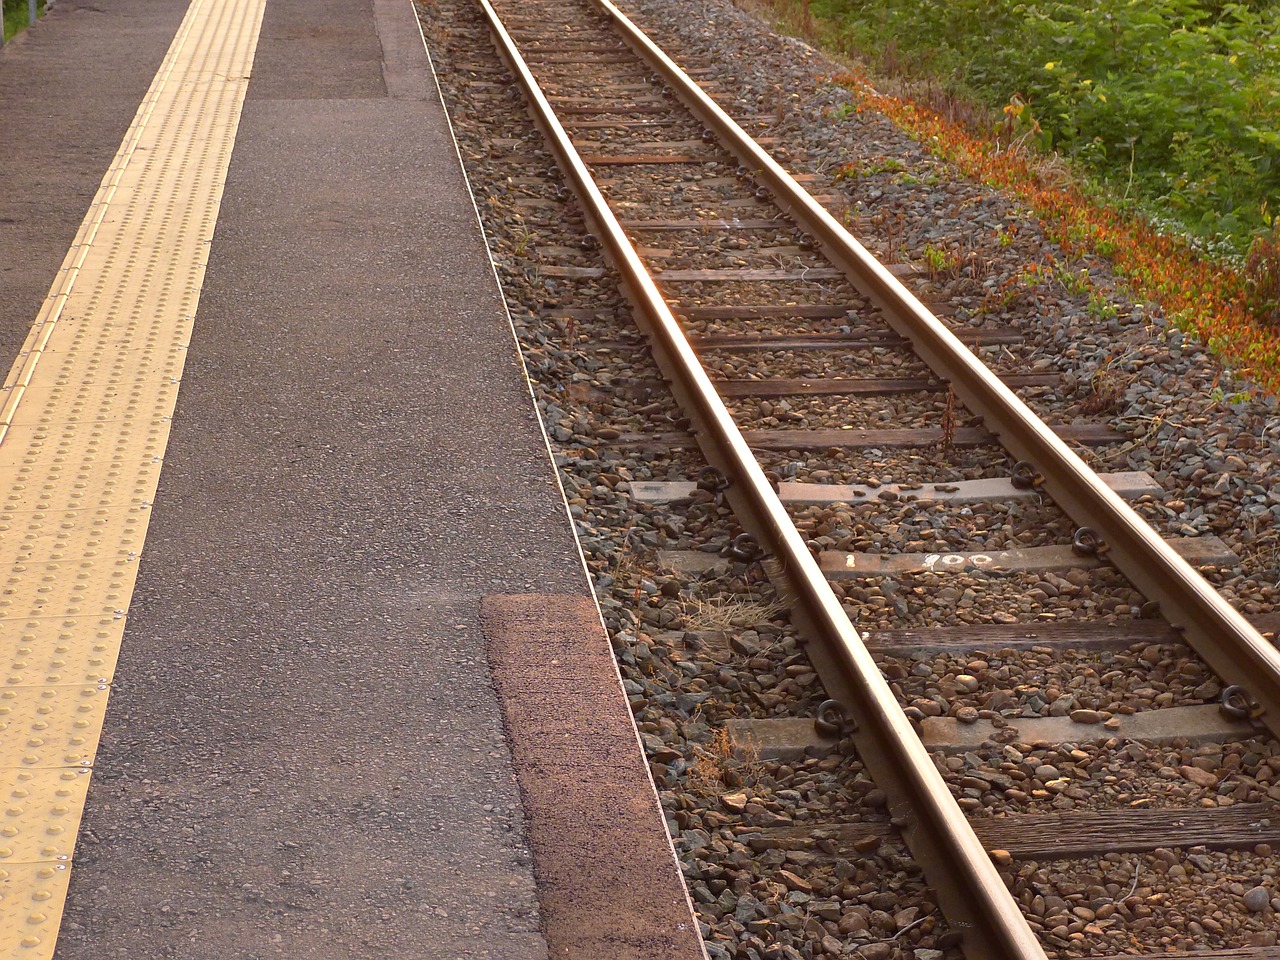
(16, 14)
(940, 261)
(1174, 103)
(869, 168)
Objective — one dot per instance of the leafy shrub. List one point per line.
(1175, 102)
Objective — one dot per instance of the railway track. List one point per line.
(873, 467)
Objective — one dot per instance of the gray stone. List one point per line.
(1258, 899)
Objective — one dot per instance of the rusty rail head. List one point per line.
(970, 891)
(1238, 652)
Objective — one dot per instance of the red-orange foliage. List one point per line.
(1199, 294)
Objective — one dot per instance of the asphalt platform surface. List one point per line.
(305, 755)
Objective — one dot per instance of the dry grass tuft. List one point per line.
(724, 764)
(721, 613)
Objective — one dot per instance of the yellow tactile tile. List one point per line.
(79, 443)
(60, 536)
(40, 813)
(92, 587)
(69, 401)
(32, 897)
(84, 421)
(51, 726)
(39, 486)
(108, 356)
(62, 650)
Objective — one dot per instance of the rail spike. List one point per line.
(833, 719)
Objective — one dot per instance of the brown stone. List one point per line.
(794, 882)
(1201, 778)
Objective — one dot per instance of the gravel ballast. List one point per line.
(698, 649)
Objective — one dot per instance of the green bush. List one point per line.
(16, 14)
(1176, 103)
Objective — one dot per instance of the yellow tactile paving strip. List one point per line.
(84, 420)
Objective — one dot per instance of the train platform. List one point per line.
(352, 699)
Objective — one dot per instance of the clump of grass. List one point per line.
(941, 263)
(724, 764)
(948, 439)
(1106, 389)
(1262, 274)
(868, 168)
(727, 613)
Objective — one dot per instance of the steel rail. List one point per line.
(976, 903)
(1208, 623)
